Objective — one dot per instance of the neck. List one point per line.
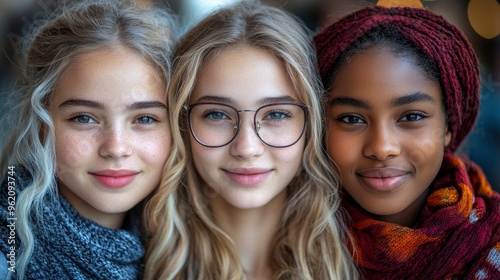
(107, 220)
(409, 216)
(253, 232)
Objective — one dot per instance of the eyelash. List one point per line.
(421, 115)
(282, 115)
(92, 119)
(212, 113)
(79, 115)
(344, 116)
(153, 119)
(358, 119)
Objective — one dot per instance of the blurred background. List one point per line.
(478, 19)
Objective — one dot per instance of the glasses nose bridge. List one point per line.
(255, 124)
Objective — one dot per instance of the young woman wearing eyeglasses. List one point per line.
(257, 199)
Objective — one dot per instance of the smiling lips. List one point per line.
(248, 176)
(114, 179)
(383, 179)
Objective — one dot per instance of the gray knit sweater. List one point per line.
(68, 246)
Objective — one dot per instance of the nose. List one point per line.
(247, 144)
(115, 143)
(382, 143)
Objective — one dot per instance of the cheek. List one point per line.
(197, 152)
(426, 148)
(73, 149)
(204, 157)
(206, 163)
(74, 152)
(340, 147)
(426, 157)
(155, 149)
(291, 156)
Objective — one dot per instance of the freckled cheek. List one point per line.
(73, 149)
(155, 148)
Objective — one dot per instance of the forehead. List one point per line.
(378, 73)
(109, 75)
(243, 74)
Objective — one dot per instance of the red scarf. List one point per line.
(457, 236)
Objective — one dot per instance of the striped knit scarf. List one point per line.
(457, 236)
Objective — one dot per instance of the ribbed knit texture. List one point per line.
(457, 236)
(430, 33)
(68, 246)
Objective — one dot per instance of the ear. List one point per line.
(447, 136)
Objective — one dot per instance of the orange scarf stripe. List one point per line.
(457, 235)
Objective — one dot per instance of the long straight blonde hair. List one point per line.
(186, 243)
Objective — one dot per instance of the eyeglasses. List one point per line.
(278, 125)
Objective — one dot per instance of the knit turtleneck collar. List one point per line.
(84, 249)
(69, 246)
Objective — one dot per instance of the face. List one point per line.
(246, 173)
(386, 132)
(111, 133)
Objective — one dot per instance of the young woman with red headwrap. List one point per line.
(402, 87)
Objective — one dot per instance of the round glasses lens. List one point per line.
(280, 125)
(213, 124)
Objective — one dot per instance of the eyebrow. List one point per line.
(278, 99)
(349, 101)
(264, 101)
(98, 105)
(146, 105)
(213, 98)
(400, 101)
(412, 98)
(81, 102)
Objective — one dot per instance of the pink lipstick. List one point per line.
(248, 176)
(114, 179)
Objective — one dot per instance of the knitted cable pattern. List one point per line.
(432, 34)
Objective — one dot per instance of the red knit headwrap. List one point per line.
(433, 35)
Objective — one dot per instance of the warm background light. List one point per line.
(395, 3)
(484, 17)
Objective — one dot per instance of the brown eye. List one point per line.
(351, 119)
(413, 117)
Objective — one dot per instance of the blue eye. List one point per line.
(351, 119)
(83, 119)
(145, 120)
(276, 115)
(216, 115)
